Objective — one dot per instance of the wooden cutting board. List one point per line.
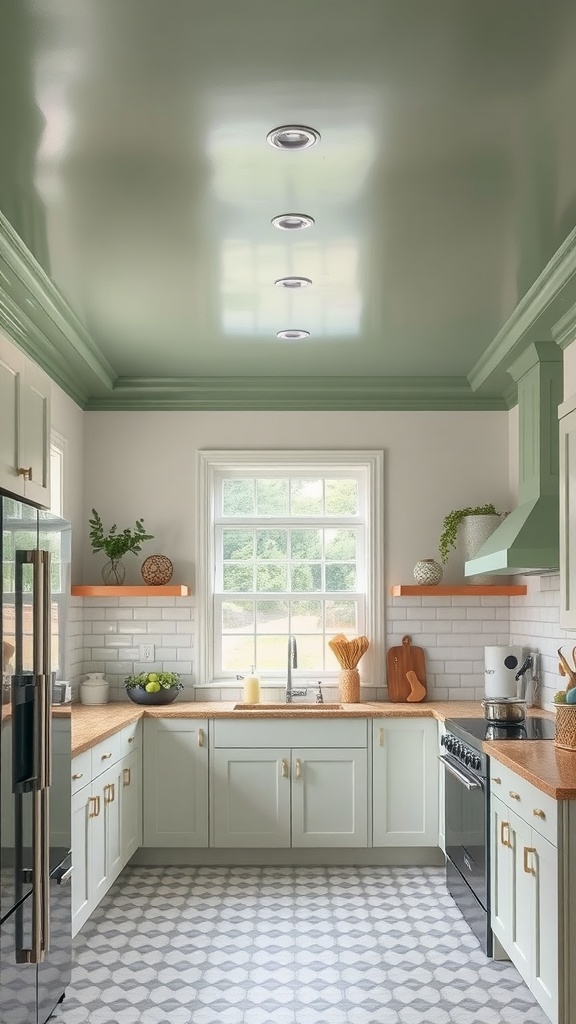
(406, 673)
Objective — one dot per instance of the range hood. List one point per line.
(527, 541)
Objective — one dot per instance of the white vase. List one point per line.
(428, 572)
(473, 531)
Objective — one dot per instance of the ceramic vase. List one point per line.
(428, 572)
(473, 531)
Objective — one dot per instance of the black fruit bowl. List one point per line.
(141, 696)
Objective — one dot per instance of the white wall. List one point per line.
(68, 423)
(143, 464)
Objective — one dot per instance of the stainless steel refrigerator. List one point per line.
(35, 861)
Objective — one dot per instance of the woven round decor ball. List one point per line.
(156, 570)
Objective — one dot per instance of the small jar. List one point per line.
(251, 688)
(95, 689)
(428, 572)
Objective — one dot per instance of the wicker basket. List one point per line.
(566, 726)
(349, 685)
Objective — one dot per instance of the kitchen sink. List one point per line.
(300, 706)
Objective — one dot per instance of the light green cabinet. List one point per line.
(24, 426)
(251, 798)
(329, 797)
(405, 782)
(175, 781)
(568, 515)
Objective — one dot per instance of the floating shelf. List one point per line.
(169, 590)
(457, 590)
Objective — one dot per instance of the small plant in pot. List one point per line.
(115, 544)
(153, 687)
(449, 535)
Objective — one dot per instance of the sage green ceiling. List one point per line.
(135, 168)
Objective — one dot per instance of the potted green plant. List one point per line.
(115, 544)
(153, 687)
(452, 522)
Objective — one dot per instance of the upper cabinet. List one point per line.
(24, 427)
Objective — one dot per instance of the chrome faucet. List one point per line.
(292, 663)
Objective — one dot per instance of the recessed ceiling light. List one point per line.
(293, 335)
(293, 282)
(293, 136)
(292, 221)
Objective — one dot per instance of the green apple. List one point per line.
(152, 687)
(152, 677)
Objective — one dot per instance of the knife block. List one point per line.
(349, 686)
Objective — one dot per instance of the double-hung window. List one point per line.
(291, 545)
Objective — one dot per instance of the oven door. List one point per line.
(466, 825)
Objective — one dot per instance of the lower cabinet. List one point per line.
(524, 905)
(106, 830)
(405, 782)
(175, 782)
(282, 797)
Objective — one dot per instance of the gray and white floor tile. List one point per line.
(287, 946)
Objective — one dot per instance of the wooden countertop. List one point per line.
(541, 762)
(92, 723)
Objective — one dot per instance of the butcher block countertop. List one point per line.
(92, 723)
(541, 762)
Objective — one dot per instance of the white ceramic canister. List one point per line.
(95, 689)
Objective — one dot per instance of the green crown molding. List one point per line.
(28, 298)
(564, 332)
(540, 298)
(296, 393)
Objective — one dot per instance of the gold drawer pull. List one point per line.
(26, 473)
(527, 868)
(298, 769)
(497, 780)
(515, 796)
(109, 793)
(538, 813)
(131, 739)
(94, 806)
(505, 841)
(105, 757)
(381, 731)
(285, 768)
(127, 776)
(80, 775)
(200, 737)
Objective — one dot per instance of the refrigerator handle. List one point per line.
(47, 664)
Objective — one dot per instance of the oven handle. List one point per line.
(470, 783)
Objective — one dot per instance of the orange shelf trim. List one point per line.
(464, 590)
(168, 590)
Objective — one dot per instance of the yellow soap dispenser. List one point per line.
(251, 690)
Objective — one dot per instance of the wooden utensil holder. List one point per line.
(349, 686)
(566, 726)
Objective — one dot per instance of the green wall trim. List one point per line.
(295, 393)
(541, 298)
(564, 332)
(28, 296)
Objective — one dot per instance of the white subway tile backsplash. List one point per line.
(147, 613)
(134, 626)
(424, 612)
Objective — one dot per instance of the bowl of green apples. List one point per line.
(153, 687)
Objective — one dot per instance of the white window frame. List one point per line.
(211, 463)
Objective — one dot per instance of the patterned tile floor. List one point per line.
(287, 946)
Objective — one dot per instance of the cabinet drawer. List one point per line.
(105, 754)
(131, 738)
(81, 770)
(283, 732)
(535, 807)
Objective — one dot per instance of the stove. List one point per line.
(467, 811)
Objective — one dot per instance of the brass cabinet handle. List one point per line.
(381, 740)
(497, 780)
(105, 757)
(298, 769)
(127, 776)
(26, 473)
(285, 768)
(527, 868)
(515, 796)
(131, 739)
(109, 793)
(505, 841)
(538, 813)
(94, 806)
(80, 775)
(200, 737)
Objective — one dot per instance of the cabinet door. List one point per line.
(441, 793)
(568, 521)
(251, 797)
(542, 863)
(329, 797)
(501, 872)
(12, 364)
(131, 805)
(34, 428)
(522, 922)
(111, 788)
(97, 860)
(405, 782)
(81, 907)
(175, 782)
